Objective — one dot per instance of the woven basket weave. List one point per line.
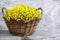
(21, 28)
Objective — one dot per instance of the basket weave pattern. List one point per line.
(21, 27)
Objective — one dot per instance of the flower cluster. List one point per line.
(22, 12)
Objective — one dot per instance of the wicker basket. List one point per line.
(21, 28)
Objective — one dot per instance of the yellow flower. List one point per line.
(22, 12)
(8, 18)
(18, 19)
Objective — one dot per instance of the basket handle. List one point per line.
(41, 10)
(3, 10)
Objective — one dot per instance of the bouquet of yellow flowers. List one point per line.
(23, 13)
(27, 14)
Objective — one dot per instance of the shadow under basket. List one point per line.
(21, 28)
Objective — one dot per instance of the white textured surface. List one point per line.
(49, 26)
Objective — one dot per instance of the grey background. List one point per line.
(49, 26)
